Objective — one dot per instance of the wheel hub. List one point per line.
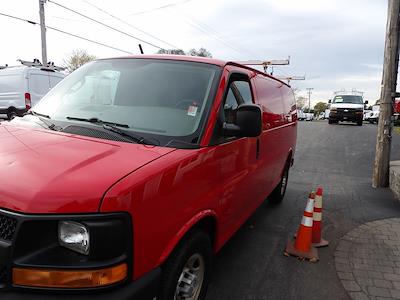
(191, 279)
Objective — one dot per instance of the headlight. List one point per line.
(333, 109)
(74, 236)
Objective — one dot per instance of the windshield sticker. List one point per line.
(338, 99)
(192, 111)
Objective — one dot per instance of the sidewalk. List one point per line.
(367, 260)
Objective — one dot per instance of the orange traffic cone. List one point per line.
(317, 240)
(302, 247)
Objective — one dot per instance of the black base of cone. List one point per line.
(322, 243)
(311, 255)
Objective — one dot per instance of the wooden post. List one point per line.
(388, 91)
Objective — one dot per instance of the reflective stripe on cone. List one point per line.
(317, 239)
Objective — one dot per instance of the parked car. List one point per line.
(21, 87)
(301, 116)
(309, 116)
(347, 107)
(326, 115)
(126, 178)
(397, 112)
(374, 114)
(367, 114)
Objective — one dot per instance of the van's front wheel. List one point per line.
(278, 193)
(186, 273)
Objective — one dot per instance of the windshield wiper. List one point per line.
(130, 135)
(112, 126)
(42, 117)
(97, 121)
(31, 112)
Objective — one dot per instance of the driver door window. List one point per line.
(239, 92)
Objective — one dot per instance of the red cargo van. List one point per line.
(127, 177)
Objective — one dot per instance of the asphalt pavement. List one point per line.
(251, 266)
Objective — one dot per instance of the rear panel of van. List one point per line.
(39, 85)
(12, 90)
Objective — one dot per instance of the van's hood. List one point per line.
(49, 172)
(347, 105)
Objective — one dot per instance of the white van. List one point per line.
(347, 107)
(21, 87)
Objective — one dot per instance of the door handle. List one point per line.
(258, 149)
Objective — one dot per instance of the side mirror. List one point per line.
(248, 122)
(329, 101)
(366, 102)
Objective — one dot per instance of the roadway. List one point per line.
(251, 266)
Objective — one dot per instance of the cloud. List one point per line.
(335, 43)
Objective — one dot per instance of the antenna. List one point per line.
(141, 49)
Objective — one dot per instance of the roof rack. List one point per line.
(37, 64)
(352, 92)
(273, 62)
(290, 78)
(3, 67)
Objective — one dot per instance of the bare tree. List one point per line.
(171, 51)
(77, 58)
(201, 52)
(301, 101)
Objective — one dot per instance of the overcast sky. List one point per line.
(336, 44)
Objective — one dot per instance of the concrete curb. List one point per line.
(394, 178)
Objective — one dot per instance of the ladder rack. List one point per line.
(352, 92)
(273, 62)
(37, 64)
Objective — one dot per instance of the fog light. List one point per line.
(74, 236)
(48, 278)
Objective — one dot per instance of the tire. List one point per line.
(278, 193)
(330, 121)
(194, 252)
(11, 114)
(359, 123)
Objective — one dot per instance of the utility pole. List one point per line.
(43, 31)
(388, 93)
(309, 98)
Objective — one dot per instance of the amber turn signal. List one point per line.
(48, 278)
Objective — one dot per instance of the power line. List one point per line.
(216, 34)
(67, 33)
(198, 27)
(103, 24)
(202, 27)
(159, 8)
(88, 40)
(17, 18)
(130, 25)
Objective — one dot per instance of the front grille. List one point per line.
(8, 225)
(350, 110)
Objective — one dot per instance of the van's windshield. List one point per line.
(164, 99)
(348, 99)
